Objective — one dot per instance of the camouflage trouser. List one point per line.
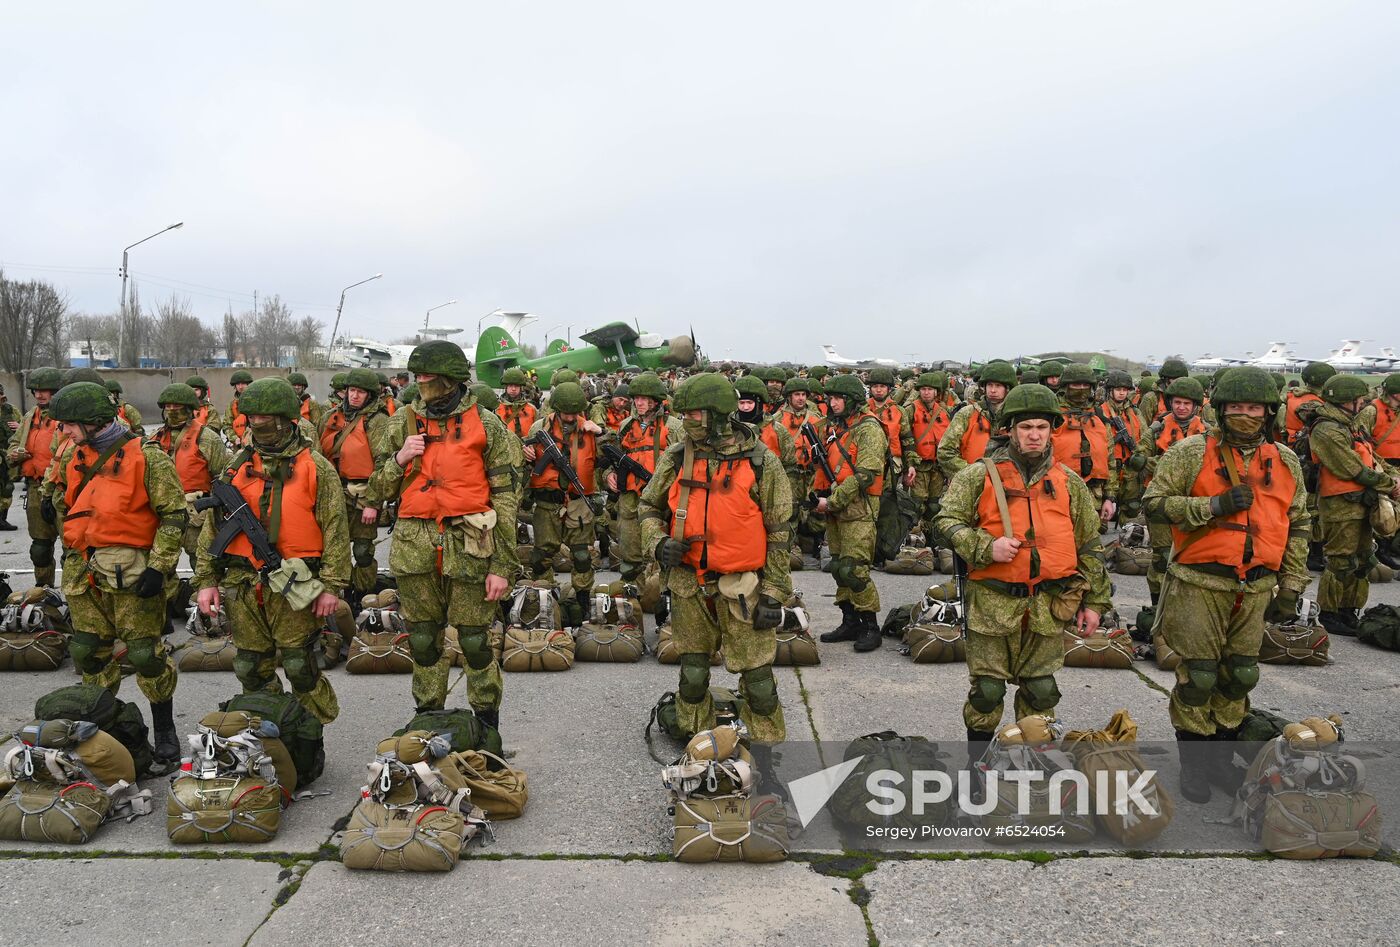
(364, 570)
(551, 533)
(927, 490)
(1130, 490)
(1217, 635)
(852, 543)
(269, 632)
(629, 537)
(42, 535)
(1159, 534)
(189, 542)
(429, 603)
(1346, 541)
(100, 616)
(7, 489)
(699, 625)
(1027, 659)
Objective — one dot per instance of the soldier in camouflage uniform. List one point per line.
(756, 410)
(1239, 519)
(1181, 420)
(236, 420)
(1154, 402)
(928, 421)
(30, 453)
(10, 419)
(644, 437)
(796, 411)
(1026, 588)
(296, 495)
(126, 411)
(1381, 419)
(1084, 441)
(715, 516)
(857, 451)
(975, 425)
(1350, 478)
(311, 409)
(123, 514)
(453, 549)
(199, 455)
(1127, 455)
(206, 413)
(353, 436)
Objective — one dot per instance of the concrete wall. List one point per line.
(141, 386)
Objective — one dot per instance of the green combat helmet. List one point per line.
(112, 385)
(1003, 373)
(363, 379)
(74, 375)
(1031, 401)
(271, 396)
(568, 398)
(818, 372)
(1391, 385)
(440, 357)
(848, 387)
(1076, 373)
(1030, 376)
(1186, 388)
(83, 402)
(935, 380)
(197, 382)
(486, 396)
(297, 378)
(749, 386)
(409, 394)
(176, 393)
(1316, 373)
(1245, 383)
(796, 383)
(382, 378)
(564, 376)
(880, 376)
(1343, 389)
(1117, 378)
(241, 377)
(711, 393)
(1172, 369)
(513, 376)
(647, 385)
(905, 374)
(44, 379)
(338, 381)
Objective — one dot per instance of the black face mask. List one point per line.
(750, 417)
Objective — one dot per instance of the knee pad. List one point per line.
(85, 647)
(1200, 678)
(300, 668)
(695, 678)
(1041, 693)
(424, 642)
(143, 656)
(41, 552)
(760, 690)
(582, 557)
(1365, 565)
(986, 694)
(246, 669)
(363, 552)
(843, 570)
(1238, 675)
(476, 649)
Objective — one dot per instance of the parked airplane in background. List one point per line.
(611, 347)
(1348, 358)
(1209, 362)
(1279, 359)
(833, 358)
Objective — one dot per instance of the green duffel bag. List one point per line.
(1380, 626)
(300, 732)
(935, 643)
(610, 643)
(202, 653)
(65, 751)
(47, 812)
(411, 838)
(730, 829)
(32, 651)
(911, 561)
(728, 708)
(463, 728)
(886, 750)
(223, 809)
(98, 705)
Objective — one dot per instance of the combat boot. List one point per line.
(846, 631)
(978, 741)
(166, 739)
(868, 637)
(1342, 622)
(491, 716)
(1317, 560)
(5, 525)
(1195, 766)
(1224, 773)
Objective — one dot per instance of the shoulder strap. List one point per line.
(339, 443)
(101, 462)
(928, 430)
(683, 501)
(1381, 438)
(999, 489)
(416, 464)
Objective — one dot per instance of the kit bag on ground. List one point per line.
(33, 631)
(1294, 644)
(666, 652)
(497, 789)
(912, 560)
(887, 750)
(935, 635)
(1104, 649)
(299, 731)
(210, 644)
(1380, 626)
(612, 631)
(232, 788)
(462, 728)
(729, 829)
(716, 762)
(97, 704)
(1031, 745)
(1113, 751)
(380, 644)
(535, 605)
(537, 649)
(1304, 798)
(795, 645)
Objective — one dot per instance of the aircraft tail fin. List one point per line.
(495, 352)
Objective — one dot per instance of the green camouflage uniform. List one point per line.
(266, 630)
(950, 457)
(558, 524)
(127, 412)
(431, 596)
(1124, 482)
(211, 448)
(702, 620)
(1215, 622)
(808, 529)
(315, 411)
(851, 513)
(9, 414)
(101, 613)
(634, 555)
(364, 571)
(42, 534)
(929, 480)
(1159, 530)
(1009, 639)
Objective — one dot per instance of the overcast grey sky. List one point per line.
(949, 179)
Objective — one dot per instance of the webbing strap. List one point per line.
(999, 489)
(683, 501)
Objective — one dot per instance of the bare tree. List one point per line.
(307, 339)
(234, 336)
(29, 313)
(272, 330)
(180, 336)
(134, 330)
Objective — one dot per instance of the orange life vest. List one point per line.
(114, 508)
(391, 406)
(891, 419)
(839, 439)
(1292, 424)
(724, 513)
(1386, 432)
(1081, 444)
(449, 478)
(581, 447)
(195, 476)
(121, 413)
(306, 408)
(975, 436)
(614, 418)
(928, 428)
(39, 444)
(1249, 539)
(793, 422)
(1133, 422)
(298, 534)
(1172, 431)
(1040, 518)
(240, 421)
(353, 461)
(644, 445)
(519, 416)
(769, 436)
(1329, 484)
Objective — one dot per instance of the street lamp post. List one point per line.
(330, 346)
(121, 318)
(450, 302)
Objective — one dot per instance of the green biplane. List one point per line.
(613, 347)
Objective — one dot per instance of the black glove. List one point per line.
(149, 583)
(47, 511)
(1234, 500)
(670, 552)
(1284, 607)
(768, 613)
(1137, 461)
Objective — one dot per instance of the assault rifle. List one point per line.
(1121, 435)
(818, 451)
(238, 518)
(624, 465)
(550, 455)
